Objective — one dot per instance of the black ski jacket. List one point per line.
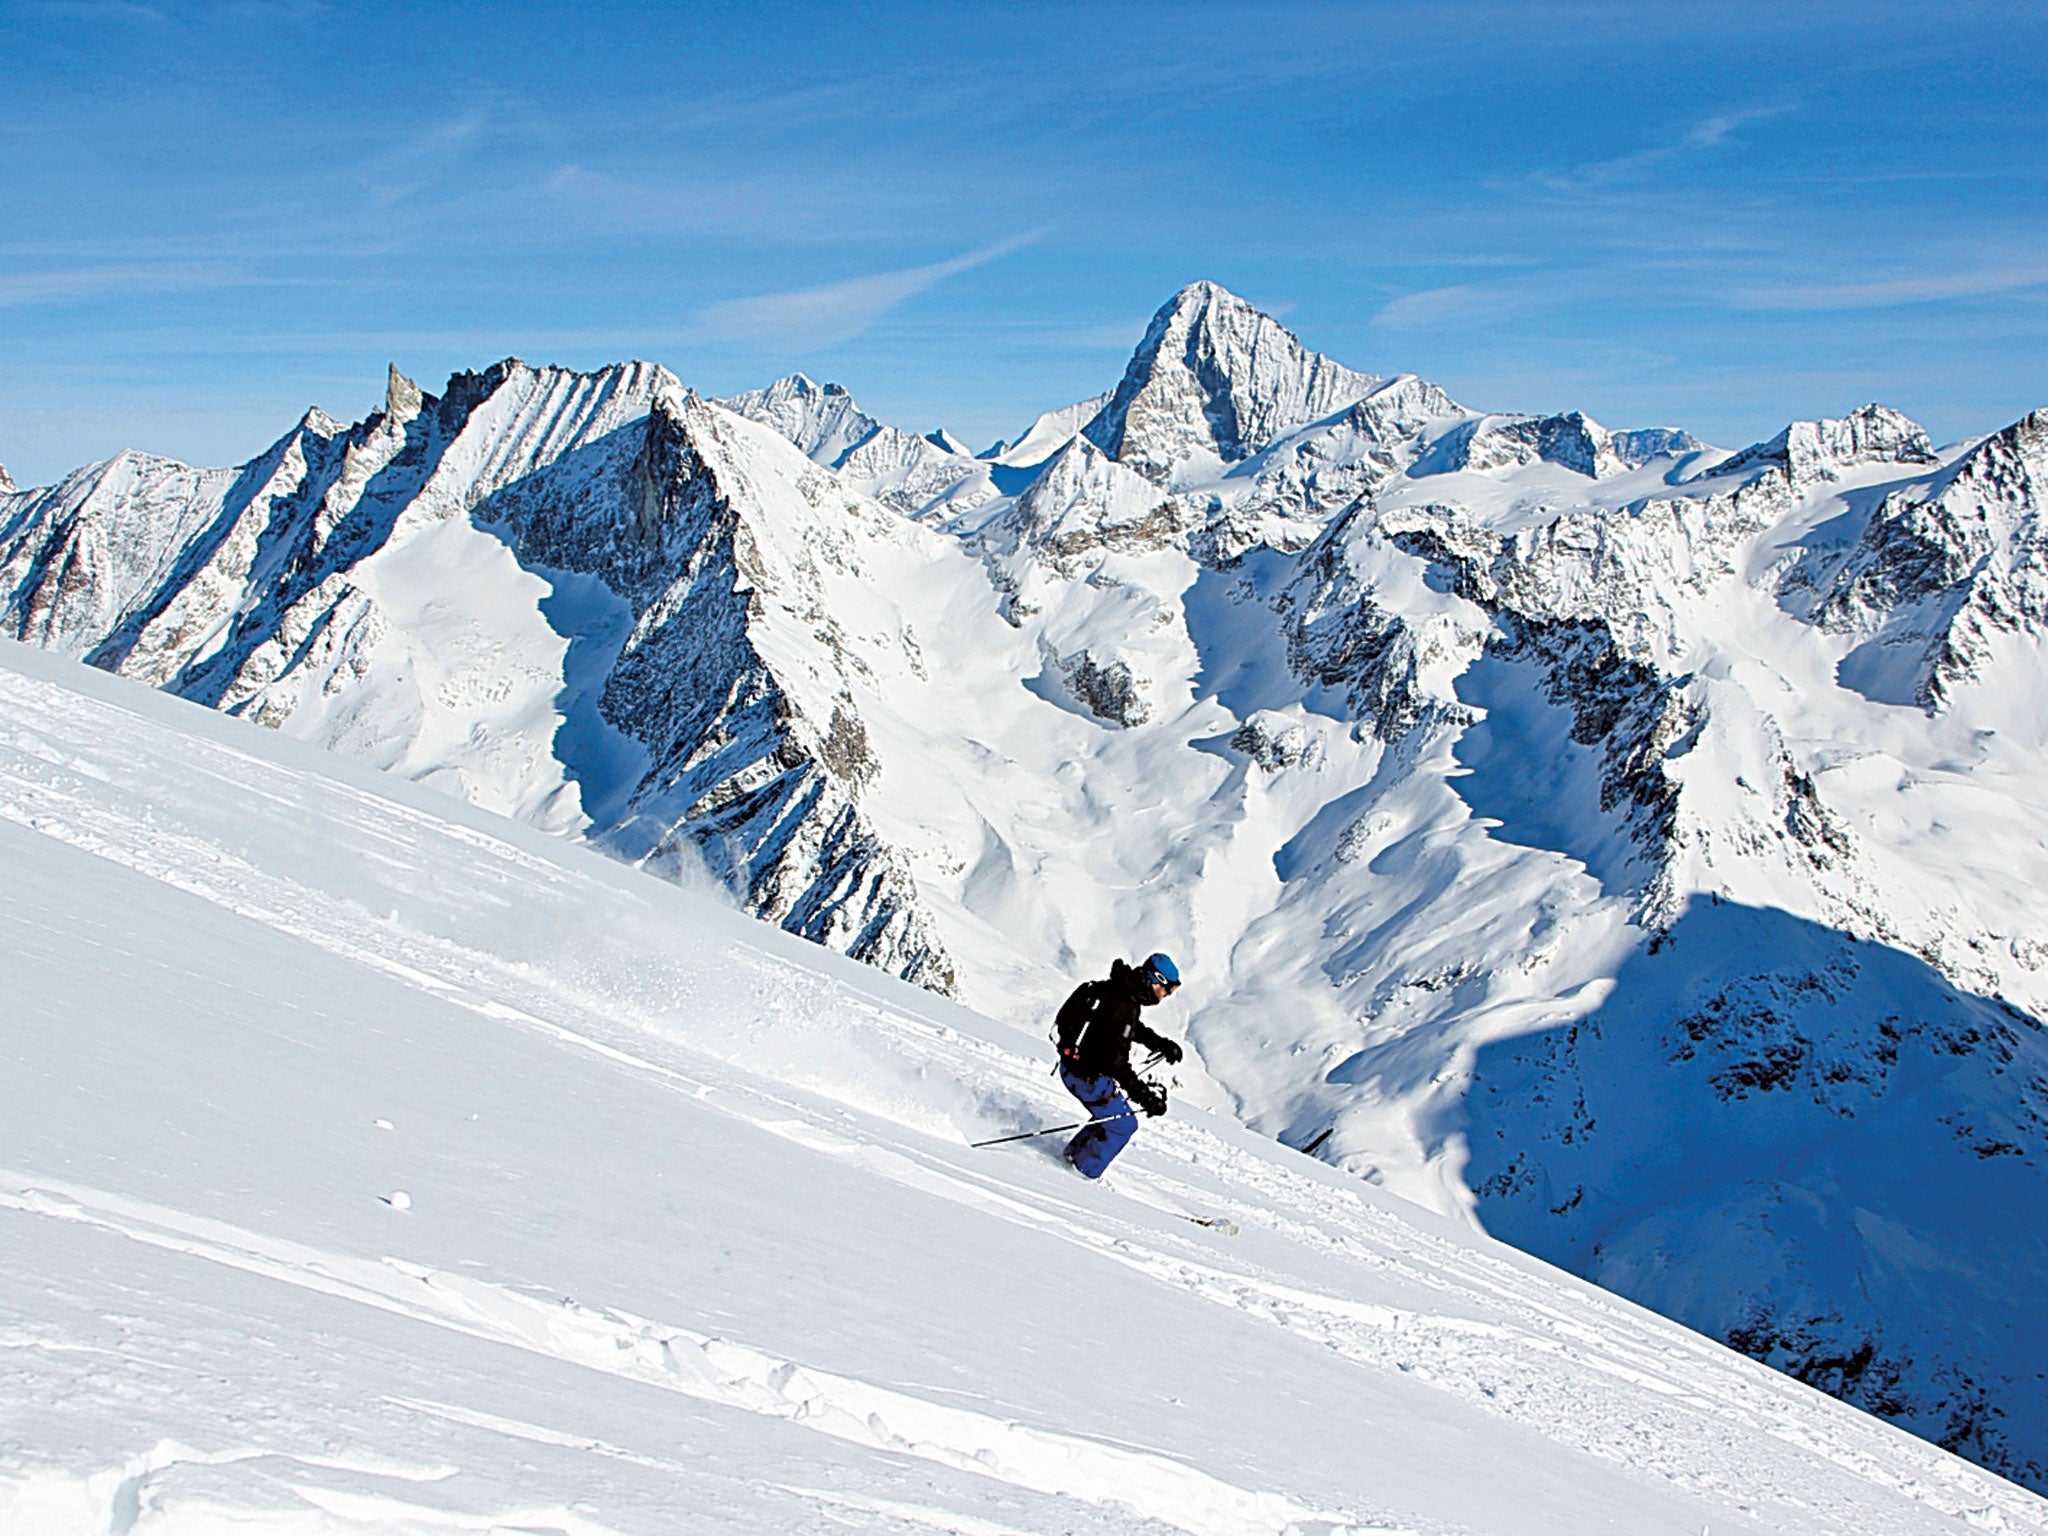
(1098, 1025)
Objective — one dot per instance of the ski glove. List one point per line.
(1171, 1052)
(1149, 1097)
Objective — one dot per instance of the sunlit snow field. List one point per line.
(371, 1163)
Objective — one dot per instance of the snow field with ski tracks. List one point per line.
(370, 1163)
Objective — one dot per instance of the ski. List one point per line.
(1213, 1223)
(1050, 1130)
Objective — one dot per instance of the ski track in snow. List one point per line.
(1645, 1394)
(710, 1369)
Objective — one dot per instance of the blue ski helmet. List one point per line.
(1161, 970)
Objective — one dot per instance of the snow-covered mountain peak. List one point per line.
(821, 419)
(930, 476)
(1573, 440)
(6, 481)
(1578, 442)
(1403, 405)
(402, 397)
(2013, 463)
(1212, 382)
(1946, 589)
(1638, 446)
(1814, 451)
(318, 423)
(697, 447)
(1084, 501)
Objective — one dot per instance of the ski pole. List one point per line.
(1051, 1130)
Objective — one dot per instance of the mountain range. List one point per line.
(1628, 845)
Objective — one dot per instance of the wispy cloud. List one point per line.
(1888, 293)
(446, 135)
(425, 157)
(1459, 303)
(1706, 134)
(71, 284)
(805, 319)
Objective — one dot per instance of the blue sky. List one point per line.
(1714, 216)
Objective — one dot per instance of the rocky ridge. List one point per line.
(258, 593)
(1215, 379)
(916, 475)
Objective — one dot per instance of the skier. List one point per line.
(1095, 1029)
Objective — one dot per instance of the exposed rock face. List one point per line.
(740, 770)
(1944, 569)
(1275, 742)
(1495, 442)
(1391, 666)
(1215, 378)
(1109, 689)
(1812, 451)
(1642, 444)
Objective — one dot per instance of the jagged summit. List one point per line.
(318, 422)
(821, 419)
(1573, 440)
(402, 398)
(1083, 501)
(929, 475)
(1215, 380)
(1949, 578)
(1637, 446)
(1813, 451)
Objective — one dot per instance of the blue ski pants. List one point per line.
(1095, 1146)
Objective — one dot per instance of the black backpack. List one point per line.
(1077, 1016)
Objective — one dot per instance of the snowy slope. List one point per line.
(370, 1163)
(1629, 847)
(1048, 433)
